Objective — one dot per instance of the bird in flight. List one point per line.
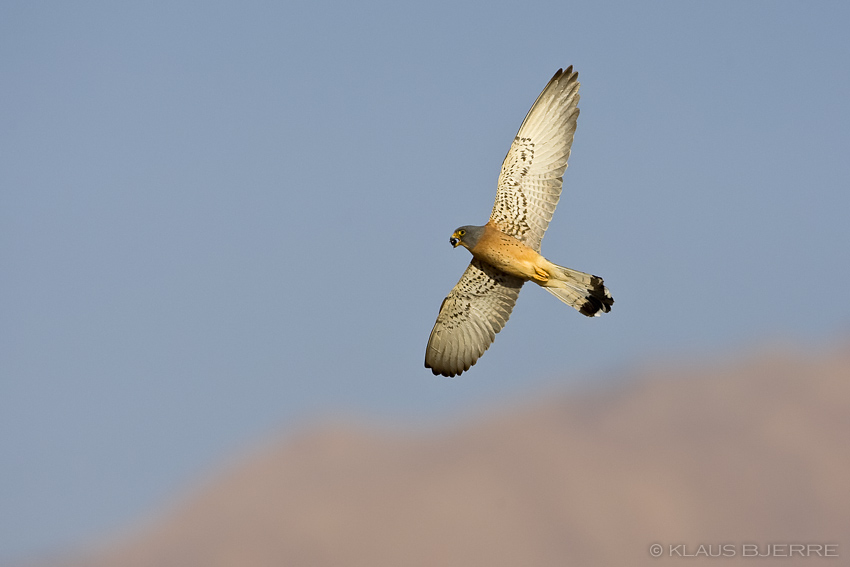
(506, 250)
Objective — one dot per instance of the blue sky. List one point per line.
(220, 220)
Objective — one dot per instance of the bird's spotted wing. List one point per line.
(470, 316)
(530, 182)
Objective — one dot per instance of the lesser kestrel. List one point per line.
(506, 250)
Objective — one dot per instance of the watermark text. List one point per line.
(744, 550)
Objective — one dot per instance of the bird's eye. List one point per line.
(461, 232)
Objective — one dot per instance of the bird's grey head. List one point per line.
(467, 236)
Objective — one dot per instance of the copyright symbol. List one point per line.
(656, 550)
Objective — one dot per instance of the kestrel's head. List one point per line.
(467, 236)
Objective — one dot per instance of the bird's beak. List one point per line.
(454, 242)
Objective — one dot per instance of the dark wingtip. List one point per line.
(568, 72)
(436, 372)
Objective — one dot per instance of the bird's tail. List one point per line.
(585, 292)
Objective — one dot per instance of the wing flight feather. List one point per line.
(530, 182)
(474, 311)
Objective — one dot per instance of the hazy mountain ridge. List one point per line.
(751, 452)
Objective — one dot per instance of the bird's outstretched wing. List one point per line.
(530, 182)
(474, 311)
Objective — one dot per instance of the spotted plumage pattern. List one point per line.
(470, 316)
(529, 185)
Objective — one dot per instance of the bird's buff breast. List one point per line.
(509, 255)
